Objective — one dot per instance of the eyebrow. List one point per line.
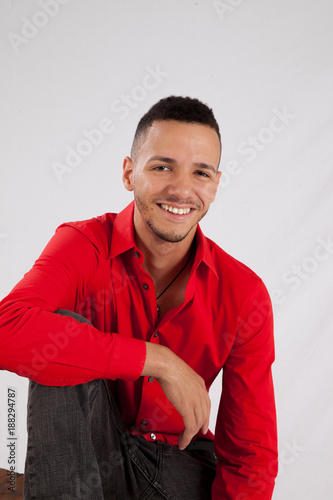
(166, 159)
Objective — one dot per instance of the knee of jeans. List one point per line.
(72, 314)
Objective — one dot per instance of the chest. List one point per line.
(173, 295)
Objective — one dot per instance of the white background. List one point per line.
(250, 60)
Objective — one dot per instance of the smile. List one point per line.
(174, 210)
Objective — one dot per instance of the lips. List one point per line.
(174, 210)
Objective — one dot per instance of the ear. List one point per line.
(128, 169)
(218, 176)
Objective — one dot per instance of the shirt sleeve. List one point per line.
(57, 350)
(246, 435)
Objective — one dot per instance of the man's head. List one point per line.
(176, 108)
(174, 168)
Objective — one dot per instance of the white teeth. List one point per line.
(174, 210)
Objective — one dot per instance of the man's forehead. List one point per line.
(165, 135)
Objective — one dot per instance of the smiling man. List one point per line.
(123, 324)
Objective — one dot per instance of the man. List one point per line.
(148, 312)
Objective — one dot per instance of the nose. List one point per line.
(181, 185)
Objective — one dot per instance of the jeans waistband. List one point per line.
(201, 444)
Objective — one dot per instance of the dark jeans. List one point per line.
(78, 448)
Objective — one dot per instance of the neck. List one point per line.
(162, 258)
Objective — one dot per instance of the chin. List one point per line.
(169, 236)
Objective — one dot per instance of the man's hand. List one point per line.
(184, 388)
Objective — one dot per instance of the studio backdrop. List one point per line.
(77, 75)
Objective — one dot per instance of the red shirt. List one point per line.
(95, 269)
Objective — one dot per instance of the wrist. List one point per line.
(158, 359)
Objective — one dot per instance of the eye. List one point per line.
(201, 173)
(161, 168)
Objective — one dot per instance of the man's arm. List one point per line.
(56, 350)
(246, 436)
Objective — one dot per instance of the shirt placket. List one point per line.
(145, 423)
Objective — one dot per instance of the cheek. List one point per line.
(208, 193)
(140, 182)
(146, 187)
(152, 186)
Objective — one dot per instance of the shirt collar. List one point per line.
(123, 239)
(204, 253)
(123, 232)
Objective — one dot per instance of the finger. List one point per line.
(191, 429)
(205, 421)
(185, 438)
(204, 428)
(194, 422)
(182, 441)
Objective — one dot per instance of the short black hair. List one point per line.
(178, 108)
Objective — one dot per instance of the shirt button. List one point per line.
(144, 422)
(151, 379)
(152, 436)
(136, 254)
(145, 286)
(156, 334)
